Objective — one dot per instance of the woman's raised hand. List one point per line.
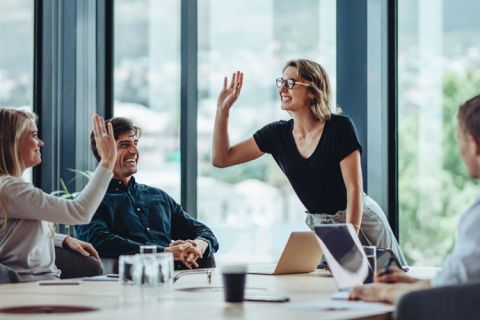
(229, 95)
(105, 141)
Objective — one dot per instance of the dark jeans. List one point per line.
(8, 275)
(74, 265)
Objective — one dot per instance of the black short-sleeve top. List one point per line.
(317, 180)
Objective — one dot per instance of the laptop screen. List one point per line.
(344, 254)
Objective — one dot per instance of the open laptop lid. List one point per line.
(344, 254)
(301, 254)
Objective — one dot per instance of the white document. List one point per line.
(340, 295)
(334, 305)
(105, 277)
(58, 282)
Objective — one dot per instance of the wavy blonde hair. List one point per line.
(13, 123)
(319, 85)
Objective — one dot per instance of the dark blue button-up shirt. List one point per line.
(136, 214)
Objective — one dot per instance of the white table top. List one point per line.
(126, 302)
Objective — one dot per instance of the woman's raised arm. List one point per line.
(223, 155)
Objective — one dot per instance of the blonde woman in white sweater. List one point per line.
(26, 238)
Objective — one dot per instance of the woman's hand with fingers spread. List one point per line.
(229, 94)
(105, 142)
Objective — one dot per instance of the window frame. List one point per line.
(367, 92)
(57, 45)
(68, 36)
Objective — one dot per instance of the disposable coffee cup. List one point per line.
(371, 253)
(234, 282)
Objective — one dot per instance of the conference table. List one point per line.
(193, 297)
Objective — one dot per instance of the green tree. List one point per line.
(427, 237)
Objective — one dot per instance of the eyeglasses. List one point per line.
(289, 83)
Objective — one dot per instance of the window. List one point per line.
(438, 63)
(147, 85)
(16, 58)
(251, 207)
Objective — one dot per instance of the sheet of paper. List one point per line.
(105, 277)
(58, 282)
(340, 295)
(332, 305)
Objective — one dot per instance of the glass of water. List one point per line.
(148, 249)
(371, 253)
(165, 271)
(153, 272)
(126, 265)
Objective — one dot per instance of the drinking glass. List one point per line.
(163, 263)
(125, 268)
(371, 253)
(148, 249)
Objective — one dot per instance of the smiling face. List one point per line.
(127, 157)
(29, 147)
(298, 97)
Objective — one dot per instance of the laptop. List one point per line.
(344, 254)
(301, 254)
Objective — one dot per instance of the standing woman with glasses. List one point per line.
(318, 151)
(26, 237)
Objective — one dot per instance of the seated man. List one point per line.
(462, 265)
(133, 214)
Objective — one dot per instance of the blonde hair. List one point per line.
(319, 85)
(13, 123)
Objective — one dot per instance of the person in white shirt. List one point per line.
(27, 237)
(463, 264)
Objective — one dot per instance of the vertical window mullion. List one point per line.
(188, 125)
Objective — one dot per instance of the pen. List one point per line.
(387, 266)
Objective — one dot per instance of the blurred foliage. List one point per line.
(67, 194)
(257, 169)
(428, 231)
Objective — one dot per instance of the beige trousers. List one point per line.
(374, 230)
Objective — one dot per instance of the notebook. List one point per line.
(301, 254)
(344, 254)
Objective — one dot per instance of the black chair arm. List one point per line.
(441, 303)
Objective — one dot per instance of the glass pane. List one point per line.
(251, 207)
(147, 85)
(16, 56)
(438, 69)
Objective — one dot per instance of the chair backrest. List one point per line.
(441, 303)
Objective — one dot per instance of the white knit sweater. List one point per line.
(26, 241)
